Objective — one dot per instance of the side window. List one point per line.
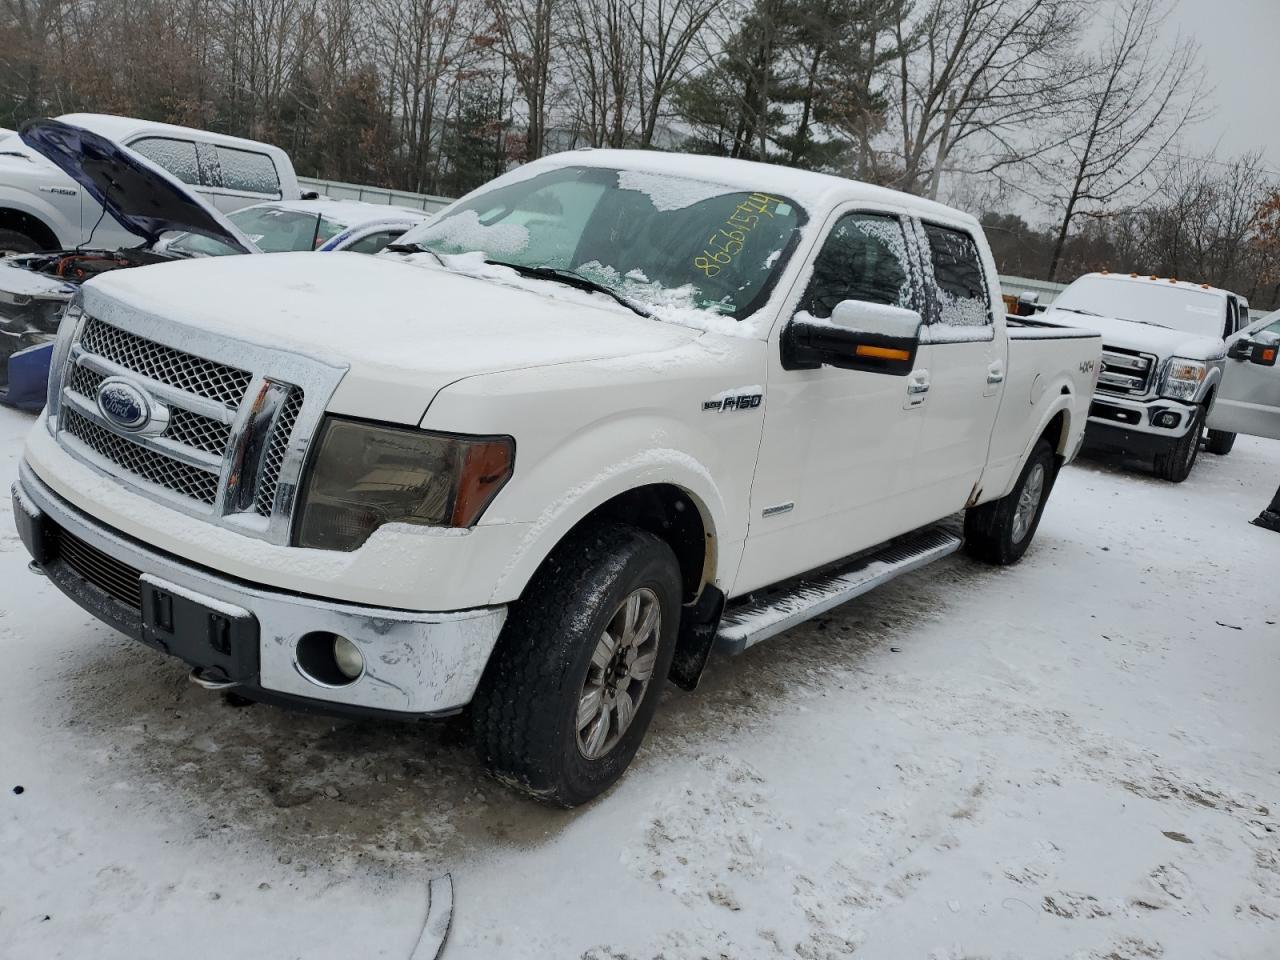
(176, 156)
(374, 241)
(326, 230)
(248, 172)
(1233, 318)
(961, 283)
(863, 258)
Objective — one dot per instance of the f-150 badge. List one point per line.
(742, 399)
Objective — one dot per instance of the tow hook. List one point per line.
(36, 569)
(208, 680)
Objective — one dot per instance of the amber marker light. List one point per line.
(881, 353)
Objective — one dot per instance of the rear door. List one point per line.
(967, 369)
(1248, 401)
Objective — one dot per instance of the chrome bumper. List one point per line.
(1136, 415)
(415, 663)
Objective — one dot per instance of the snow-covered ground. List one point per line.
(1073, 758)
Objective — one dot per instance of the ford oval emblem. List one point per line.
(123, 404)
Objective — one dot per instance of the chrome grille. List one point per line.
(213, 381)
(201, 432)
(1126, 372)
(273, 459)
(199, 485)
(228, 424)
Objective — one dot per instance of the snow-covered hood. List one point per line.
(140, 196)
(405, 330)
(1143, 337)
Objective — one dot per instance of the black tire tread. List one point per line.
(987, 527)
(1171, 465)
(535, 651)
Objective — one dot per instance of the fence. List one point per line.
(354, 191)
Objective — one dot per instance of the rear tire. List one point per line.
(999, 532)
(554, 665)
(14, 242)
(1175, 463)
(1219, 442)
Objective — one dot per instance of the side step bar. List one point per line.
(772, 611)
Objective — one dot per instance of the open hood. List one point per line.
(143, 198)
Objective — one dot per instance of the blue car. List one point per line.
(171, 222)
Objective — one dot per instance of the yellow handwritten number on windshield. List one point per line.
(727, 242)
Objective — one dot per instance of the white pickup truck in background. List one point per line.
(605, 414)
(42, 208)
(1163, 355)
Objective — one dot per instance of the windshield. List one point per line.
(273, 229)
(1197, 312)
(660, 241)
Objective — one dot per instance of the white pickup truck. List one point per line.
(44, 208)
(603, 415)
(1163, 356)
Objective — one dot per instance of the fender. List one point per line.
(1059, 403)
(620, 463)
(34, 205)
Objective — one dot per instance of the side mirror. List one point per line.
(1262, 350)
(858, 336)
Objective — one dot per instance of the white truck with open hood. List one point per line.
(604, 415)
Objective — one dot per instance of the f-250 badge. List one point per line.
(740, 401)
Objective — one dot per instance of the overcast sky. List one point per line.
(1240, 40)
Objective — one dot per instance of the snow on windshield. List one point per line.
(669, 193)
(466, 231)
(687, 250)
(1183, 308)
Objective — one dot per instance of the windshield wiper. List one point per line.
(416, 248)
(573, 279)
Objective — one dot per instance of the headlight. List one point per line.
(1182, 378)
(364, 475)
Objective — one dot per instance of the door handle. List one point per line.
(918, 387)
(995, 373)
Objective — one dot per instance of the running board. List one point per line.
(781, 609)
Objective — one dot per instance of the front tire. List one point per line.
(573, 683)
(999, 532)
(1175, 463)
(13, 242)
(1219, 442)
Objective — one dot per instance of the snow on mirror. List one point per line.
(681, 248)
(876, 318)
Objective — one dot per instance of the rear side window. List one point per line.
(963, 301)
(248, 172)
(176, 156)
(864, 258)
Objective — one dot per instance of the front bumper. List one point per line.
(416, 664)
(1156, 419)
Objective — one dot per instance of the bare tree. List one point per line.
(526, 37)
(601, 50)
(667, 33)
(1140, 95)
(978, 75)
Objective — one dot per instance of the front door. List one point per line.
(833, 475)
(1248, 400)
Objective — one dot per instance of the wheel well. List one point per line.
(668, 512)
(1056, 433)
(33, 227)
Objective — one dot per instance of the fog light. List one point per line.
(1166, 419)
(348, 657)
(329, 659)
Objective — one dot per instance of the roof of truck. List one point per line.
(118, 128)
(803, 186)
(1148, 279)
(348, 212)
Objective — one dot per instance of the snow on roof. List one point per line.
(118, 128)
(815, 190)
(1147, 279)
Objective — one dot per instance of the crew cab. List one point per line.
(603, 416)
(1162, 361)
(44, 208)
